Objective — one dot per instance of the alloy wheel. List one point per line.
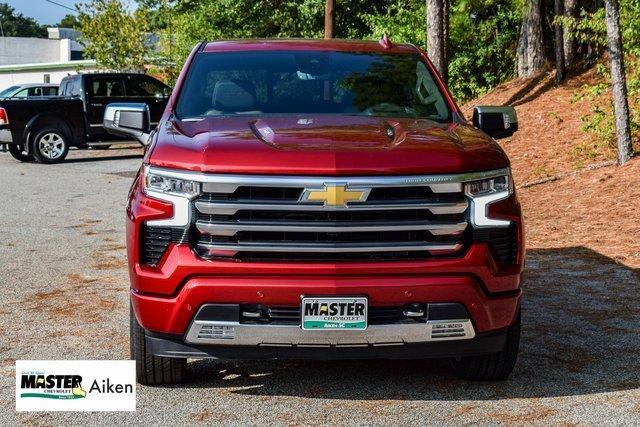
(51, 145)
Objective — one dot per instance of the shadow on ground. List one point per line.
(580, 336)
(87, 159)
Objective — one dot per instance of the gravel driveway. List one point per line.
(64, 292)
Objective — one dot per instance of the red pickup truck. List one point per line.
(321, 199)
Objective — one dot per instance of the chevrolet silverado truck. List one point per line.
(321, 199)
(44, 128)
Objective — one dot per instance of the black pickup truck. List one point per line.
(43, 129)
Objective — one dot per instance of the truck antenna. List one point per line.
(385, 42)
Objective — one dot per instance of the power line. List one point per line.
(61, 5)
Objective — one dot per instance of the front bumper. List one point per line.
(174, 314)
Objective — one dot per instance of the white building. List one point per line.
(33, 60)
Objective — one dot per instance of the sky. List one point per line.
(43, 11)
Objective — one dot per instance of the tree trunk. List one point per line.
(559, 45)
(445, 32)
(436, 43)
(571, 11)
(329, 17)
(618, 81)
(530, 45)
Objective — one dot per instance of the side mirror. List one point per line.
(497, 122)
(128, 119)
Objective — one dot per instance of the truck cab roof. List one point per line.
(336, 45)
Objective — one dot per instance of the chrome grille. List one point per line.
(263, 219)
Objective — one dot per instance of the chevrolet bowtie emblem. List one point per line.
(335, 195)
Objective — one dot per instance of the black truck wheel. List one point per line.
(150, 369)
(491, 367)
(49, 145)
(18, 153)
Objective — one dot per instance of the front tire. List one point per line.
(18, 153)
(491, 367)
(150, 369)
(50, 145)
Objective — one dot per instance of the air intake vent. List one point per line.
(502, 241)
(156, 240)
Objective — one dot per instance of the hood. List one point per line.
(323, 145)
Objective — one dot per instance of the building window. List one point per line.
(47, 78)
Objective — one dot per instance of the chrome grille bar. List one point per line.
(230, 208)
(329, 247)
(230, 228)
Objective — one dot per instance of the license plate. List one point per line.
(334, 313)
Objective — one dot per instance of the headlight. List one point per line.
(488, 186)
(483, 193)
(165, 184)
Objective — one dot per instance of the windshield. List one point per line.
(311, 82)
(8, 90)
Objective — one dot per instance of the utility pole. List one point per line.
(618, 81)
(329, 17)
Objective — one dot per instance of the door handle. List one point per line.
(94, 104)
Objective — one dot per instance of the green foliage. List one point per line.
(17, 25)
(404, 21)
(484, 36)
(113, 35)
(69, 21)
(590, 28)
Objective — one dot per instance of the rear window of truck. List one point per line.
(311, 82)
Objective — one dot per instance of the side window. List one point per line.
(22, 94)
(50, 91)
(106, 87)
(76, 87)
(146, 88)
(65, 87)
